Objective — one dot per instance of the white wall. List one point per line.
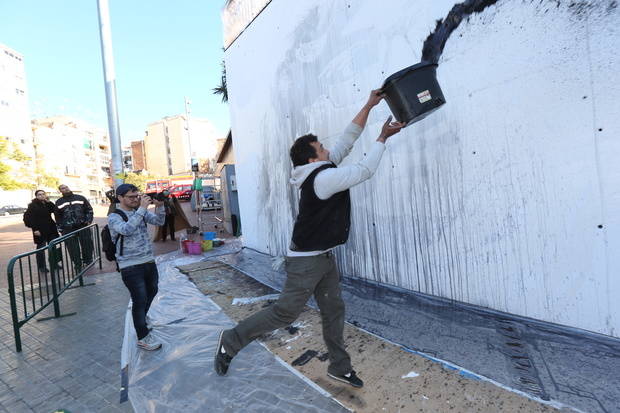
(493, 200)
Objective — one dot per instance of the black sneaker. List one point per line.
(349, 378)
(221, 360)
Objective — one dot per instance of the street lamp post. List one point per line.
(110, 90)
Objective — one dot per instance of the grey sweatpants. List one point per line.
(316, 275)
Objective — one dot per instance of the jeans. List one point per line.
(141, 281)
(306, 276)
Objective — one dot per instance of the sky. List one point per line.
(163, 51)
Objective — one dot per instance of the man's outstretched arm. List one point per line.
(334, 180)
(354, 129)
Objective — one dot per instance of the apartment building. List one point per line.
(14, 111)
(75, 152)
(168, 143)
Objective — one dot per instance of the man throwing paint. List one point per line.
(322, 223)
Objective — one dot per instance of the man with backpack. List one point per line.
(134, 254)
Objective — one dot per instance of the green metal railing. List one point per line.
(31, 291)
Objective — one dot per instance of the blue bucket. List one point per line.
(208, 236)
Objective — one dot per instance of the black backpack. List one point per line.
(107, 245)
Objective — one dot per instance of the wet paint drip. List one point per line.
(435, 42)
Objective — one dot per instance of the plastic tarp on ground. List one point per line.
(180, 377)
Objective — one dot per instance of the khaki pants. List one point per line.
(316, 275)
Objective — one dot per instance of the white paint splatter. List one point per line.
(251, 300)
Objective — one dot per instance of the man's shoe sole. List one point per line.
(344, 381)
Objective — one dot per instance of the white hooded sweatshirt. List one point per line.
(333, 180)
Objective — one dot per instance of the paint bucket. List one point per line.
(206, 244)
(413, 93)
(194, 248)
(184, 246)
(208, 236)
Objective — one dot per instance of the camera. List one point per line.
(159, 196)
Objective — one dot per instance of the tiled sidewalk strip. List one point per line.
(69, 363)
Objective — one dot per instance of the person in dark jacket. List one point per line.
(38, 217)
(171, 211)
(72, 213)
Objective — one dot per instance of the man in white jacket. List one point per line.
(323, 223)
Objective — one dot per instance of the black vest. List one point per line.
(321, 224)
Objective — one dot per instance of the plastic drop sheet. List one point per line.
(180, 377)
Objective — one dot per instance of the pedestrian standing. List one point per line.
(38, 217)
(134, 254)
(171, 212)
(74, 212)
(322, 223)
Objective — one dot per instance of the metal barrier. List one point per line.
(68, 257)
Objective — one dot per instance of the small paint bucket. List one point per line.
(194, 248)
(208, 236)
(206, 244)
(184, 244)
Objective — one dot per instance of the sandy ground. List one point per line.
(395, 380)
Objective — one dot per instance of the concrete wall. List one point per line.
(506, 198)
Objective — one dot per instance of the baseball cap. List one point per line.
(124, 188)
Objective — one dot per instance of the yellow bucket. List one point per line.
(206, 244)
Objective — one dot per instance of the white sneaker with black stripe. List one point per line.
(149, 343)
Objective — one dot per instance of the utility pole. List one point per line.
(191, 165)
(189, 136)
(110, 89)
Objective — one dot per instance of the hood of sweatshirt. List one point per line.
(300, 173)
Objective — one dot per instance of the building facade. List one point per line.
(75, 152)
(138, 158)
(14, 112)
(127, 160)
(167, 144)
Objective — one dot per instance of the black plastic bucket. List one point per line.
(413, 93)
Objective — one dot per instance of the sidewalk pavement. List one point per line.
(73, 362)
(69, 363)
